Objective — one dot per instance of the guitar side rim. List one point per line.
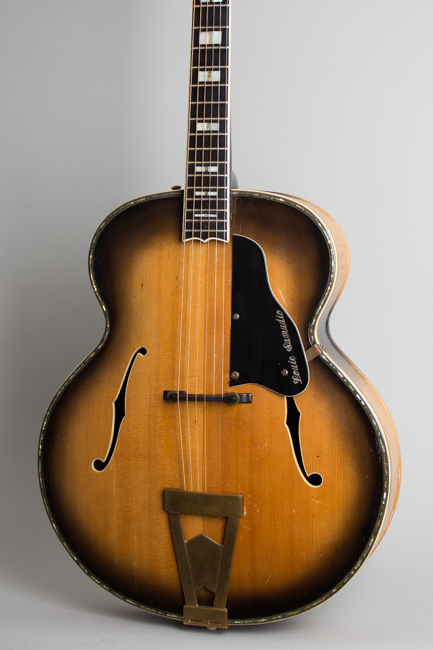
(330, 354)
(319, 335)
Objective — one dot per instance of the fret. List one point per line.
(222, 68)
(211, 17)
(215, 216)
(198, 206)
(202, 227)
(212, 233)
(198, 233)
(200, 190)
(207, 141)
(209, 93)
(209, 57)
(206, 220)
(208, 156)
(208, 110)
(202, 181)
(193, 212)
(215, 219)
(208, 181)
(206, 191)
(206, 223)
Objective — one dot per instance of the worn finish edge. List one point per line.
(330, 354)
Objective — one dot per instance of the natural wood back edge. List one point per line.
(335, 358)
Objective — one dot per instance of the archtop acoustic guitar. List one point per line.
(216, 459)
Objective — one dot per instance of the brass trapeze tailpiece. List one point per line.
(201, 561)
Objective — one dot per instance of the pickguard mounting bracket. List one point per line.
(313, 352)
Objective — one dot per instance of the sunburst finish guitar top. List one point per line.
(216, 459)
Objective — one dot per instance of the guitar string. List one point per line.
(215, 382)
(221, 289)
(226, 225)
(217, 406)
(214, 269)
(205, 346)
(204, 247)
(207, 119)
(194, 254)
(181, 362)
(198, 291)
(217, 314)
(182, 452)
(201, 347)
(197, 355)
(206, 116)
(188, 338)
(194, 291)
(195, 277)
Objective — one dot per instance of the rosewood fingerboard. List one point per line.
(207, 186)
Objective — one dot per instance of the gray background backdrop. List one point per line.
(331, 101)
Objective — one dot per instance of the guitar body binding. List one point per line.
(298, 543)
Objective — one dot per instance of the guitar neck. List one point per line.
(207, 186)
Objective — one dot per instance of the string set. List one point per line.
(202, 339)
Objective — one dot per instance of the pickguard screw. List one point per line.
(284, 372)
(235, 375)
(235, 316)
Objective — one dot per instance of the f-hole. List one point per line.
(293, 418)
(119, 413)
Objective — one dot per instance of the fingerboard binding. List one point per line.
(207, 185)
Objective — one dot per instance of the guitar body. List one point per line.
(111, 444)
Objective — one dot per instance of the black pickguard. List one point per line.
(266, 348)
(265, 342)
